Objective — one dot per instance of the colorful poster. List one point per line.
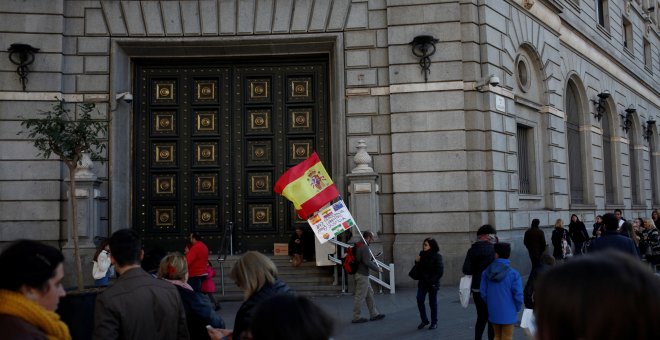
(331, 221)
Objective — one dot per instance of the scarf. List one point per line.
(179, 283)
(16, 304)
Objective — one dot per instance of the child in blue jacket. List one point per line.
(501, 288)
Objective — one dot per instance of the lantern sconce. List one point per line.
(626, 120)
(648, 129)
(423, 47)
(22, 55)
(600, 104)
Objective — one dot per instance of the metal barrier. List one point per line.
(379, 280)
(222, 256)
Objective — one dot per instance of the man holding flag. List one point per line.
(309, 187)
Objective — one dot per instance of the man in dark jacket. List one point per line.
(612, 239)
(478, 257)
(363, 290)
(137, 306)
(535, 242)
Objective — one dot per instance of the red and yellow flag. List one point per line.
(308, 186)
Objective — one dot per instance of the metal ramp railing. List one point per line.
(379, 280)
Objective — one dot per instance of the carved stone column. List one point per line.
(363, 193)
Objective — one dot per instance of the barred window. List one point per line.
(526, 160)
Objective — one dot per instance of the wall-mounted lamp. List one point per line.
(22, 55)
(600, 104)
(648, 129)
(423, 47)
(626, 120)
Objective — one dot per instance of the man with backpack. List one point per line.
(363, 290)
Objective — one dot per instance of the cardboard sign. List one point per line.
(281, 249)
(331, 221)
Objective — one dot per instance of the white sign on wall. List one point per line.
(500, 103)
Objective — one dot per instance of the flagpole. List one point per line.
(365, 242)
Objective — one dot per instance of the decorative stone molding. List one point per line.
(85, 168)
(528, 4)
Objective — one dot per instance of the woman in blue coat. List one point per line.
(430, 267)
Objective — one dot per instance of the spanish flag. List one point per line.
(308, 186)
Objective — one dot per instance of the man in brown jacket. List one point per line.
(137, 306)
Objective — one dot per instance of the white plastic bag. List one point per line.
(464, 290)
(528, 321)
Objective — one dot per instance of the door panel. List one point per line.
(211, 141)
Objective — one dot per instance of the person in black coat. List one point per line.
(480, 255)
(598, 227)
(430, 269)
(296, 245)
(578, 233)
(256, 275)
(535, 242)
(558, 235)
(547, 261)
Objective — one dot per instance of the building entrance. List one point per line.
(211, 139)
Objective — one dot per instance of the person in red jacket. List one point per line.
(208, 286)
(198, 259)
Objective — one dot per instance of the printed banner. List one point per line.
(331, 221)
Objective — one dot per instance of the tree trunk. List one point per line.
(74, 224)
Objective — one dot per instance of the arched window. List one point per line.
(574, 148)
(608, 166)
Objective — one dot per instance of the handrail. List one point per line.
(378, 280)
(222, 255)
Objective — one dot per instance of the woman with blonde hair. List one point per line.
(256, 275)
(560, 240)
(650, 239)
(199, 312)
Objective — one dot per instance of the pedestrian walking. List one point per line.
(501, 288)
(198, 258)
(534, 241)
(561, 242)
(480, 255)
(578, 233)
(430, 269)
(363, 291)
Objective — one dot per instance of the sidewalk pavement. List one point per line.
(402, 317)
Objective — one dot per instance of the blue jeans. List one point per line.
(433, 303)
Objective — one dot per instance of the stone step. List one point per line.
(307, 279)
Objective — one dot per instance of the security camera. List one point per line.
(494, 81)
(126, 96)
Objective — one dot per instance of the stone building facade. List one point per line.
(507, 127)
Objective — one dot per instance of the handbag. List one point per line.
(464, 290)
(528, 321)
(414, 273)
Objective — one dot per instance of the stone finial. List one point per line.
(85, 168)
(362, 158)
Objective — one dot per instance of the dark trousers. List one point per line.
(482, 318)
(196, 282)
(433, 304)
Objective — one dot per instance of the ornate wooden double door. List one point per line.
(210, 141)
